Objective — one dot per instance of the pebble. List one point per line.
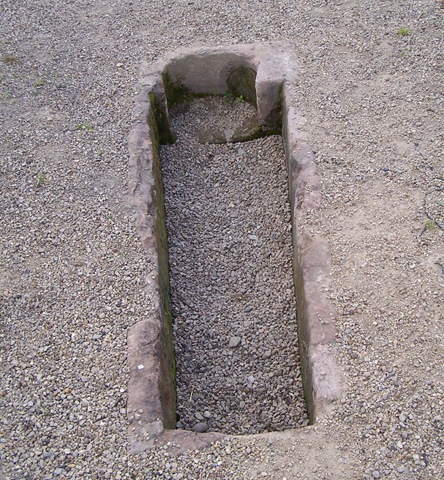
(235, 342)
(200, 427)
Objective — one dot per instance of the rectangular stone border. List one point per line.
(199, 71)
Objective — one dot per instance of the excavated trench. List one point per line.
(231, 272)
(241, 328)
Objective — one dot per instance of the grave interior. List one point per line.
(231, 273)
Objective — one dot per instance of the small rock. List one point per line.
(200, 427)
(234, 342)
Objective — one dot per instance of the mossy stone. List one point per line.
(242, 82)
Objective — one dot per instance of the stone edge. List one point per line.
(323, 380)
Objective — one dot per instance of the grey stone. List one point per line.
(200, 427)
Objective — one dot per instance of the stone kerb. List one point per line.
(312, 264)
(265, 74)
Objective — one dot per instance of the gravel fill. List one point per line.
(72, 271)
(230, 253)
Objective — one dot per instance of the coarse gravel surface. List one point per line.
(230, 254)
(72, 270)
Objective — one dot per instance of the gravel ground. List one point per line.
(72, 272)
(229, 230)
